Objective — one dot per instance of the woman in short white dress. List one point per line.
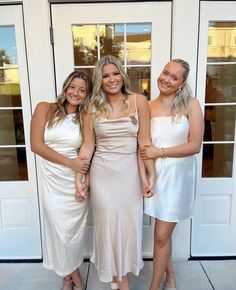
(177, 130)
(56, 138)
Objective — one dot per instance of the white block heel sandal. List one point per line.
(114, 286)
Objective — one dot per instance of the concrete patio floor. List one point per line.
(190, 275)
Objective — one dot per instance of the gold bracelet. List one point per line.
(162, 152)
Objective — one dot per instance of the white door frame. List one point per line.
(159, 14)
(214, 222)
(20, 227)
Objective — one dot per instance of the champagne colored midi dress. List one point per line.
(174, 190)
(64, 218)
(116, 199)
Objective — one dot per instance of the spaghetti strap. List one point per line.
(135, 102)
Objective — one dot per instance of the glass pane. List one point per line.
(140, 80)
(85, 44)
(138, 42)
(221, 83)
(10, 88)
(219, 123)
(8, 55)
(221, 41)
(88, 70)
(11, 127)
(13, 165)
(112, 40)
(217, 160)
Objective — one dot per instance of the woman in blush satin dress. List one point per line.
(117, 121)
(177, 129)
(56, 138)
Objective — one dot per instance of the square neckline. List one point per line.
(124, 117)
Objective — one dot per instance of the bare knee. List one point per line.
(161, 239)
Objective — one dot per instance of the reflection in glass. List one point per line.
(88, 70)
(140, 80)
(8, 55)
(85, 44)
(217, 160)
(13, 164)
(10, 95)
(112, 40)
(11, 127)
(138, 41)
(221, 41)
(221, 83)
(219, 123)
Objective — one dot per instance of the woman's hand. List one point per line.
(147, 188)
(79, 164)
(149, 152)
(82, 191)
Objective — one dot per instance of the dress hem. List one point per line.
(63, 274)
(135, 270)
(169, 219)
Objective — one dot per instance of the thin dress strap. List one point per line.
(135, 102)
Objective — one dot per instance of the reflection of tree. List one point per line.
(85, 55)
(109, 46)
(220, 83)
(4, 58)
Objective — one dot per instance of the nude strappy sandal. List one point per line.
(67, 285)
(79, 285)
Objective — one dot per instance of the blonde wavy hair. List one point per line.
(180, 103)
(57, 110)
(99, 99)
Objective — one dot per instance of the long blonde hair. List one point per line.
(99, 99)
(57, 110)
(180, 103)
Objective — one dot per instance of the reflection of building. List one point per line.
(10, 86)
(220, 87)
(11, 73)
(130, 41)
(137, 43)
(222, 40)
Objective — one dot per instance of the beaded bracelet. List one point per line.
(162, 152)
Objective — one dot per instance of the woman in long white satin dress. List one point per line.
(177, 131)
(56, 138)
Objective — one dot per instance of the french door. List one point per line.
(138, 33)
(19, 212)
(214, 223)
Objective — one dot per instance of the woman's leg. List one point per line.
(67, 283)
(162, 251)
(124, 284)
(77, 280)
(114, 284)
(170, 276)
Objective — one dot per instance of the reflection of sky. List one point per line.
(8, 42)
(134, 28)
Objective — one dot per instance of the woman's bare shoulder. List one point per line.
(42, 109)
(43, 106)
(194, 103)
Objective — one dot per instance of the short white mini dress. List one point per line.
(174, 190)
